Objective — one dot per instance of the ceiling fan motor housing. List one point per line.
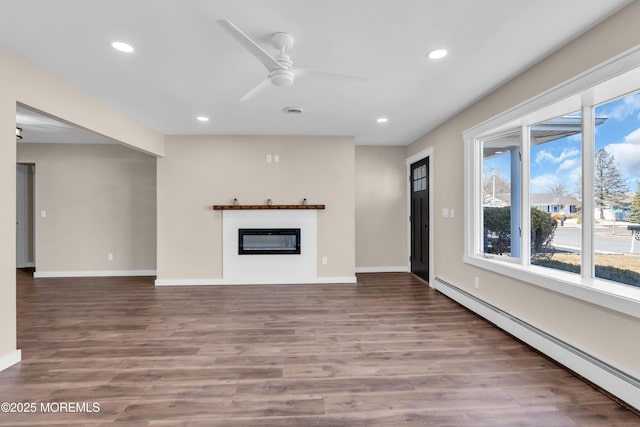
(282, 77)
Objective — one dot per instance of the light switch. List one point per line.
(452, 213)
(276, 158)
(43, 214)
(445, 213)
(268, 158)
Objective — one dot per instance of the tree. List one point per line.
(558, 189)
(610, 186)
(494, 186)
(634, 214)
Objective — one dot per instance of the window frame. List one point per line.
(612, 79)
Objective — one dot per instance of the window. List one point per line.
(616, 171)
(501, 229)
(419, 177)
(550, 188)
(555, 192)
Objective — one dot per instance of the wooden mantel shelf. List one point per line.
(255, 207)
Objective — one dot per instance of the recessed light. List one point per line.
(382, 120)
(202, 118)
(293, 110)
(122, 47)
(437, 53)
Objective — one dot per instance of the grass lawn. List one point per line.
(626, 262)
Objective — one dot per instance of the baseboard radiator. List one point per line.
(620, 384)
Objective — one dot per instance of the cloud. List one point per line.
(629, 106)
(542, 183)
(575, 180)
(633, 137)
(627, 157)
(544, 155)
(569, 164)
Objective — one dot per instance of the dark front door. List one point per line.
(420, 218)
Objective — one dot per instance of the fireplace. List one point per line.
(268, 241)
(252, 267)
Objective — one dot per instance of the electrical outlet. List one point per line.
(276, 158)
(452, 213)
(109, 257)
(325, 260)
(476, 282)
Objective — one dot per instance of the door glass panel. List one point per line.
(419, 177)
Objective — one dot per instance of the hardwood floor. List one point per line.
(388, 351)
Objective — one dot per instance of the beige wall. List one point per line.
(381, 207)
(99, 199)
(22, 82)
(600, 331)
(7, 226)
(200, 171)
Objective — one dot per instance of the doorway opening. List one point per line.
(25, 215)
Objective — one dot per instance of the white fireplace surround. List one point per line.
(268, 269)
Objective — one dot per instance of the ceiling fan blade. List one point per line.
(302, 72)
(256, 90)
(268, 60)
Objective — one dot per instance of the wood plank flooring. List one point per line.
(388, 351)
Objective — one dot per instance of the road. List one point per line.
(569, 238)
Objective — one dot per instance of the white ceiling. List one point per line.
(186, 65)
(38, 127)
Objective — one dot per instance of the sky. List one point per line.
(620, 135)
(559, 161)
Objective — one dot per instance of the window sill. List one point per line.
(617, 297)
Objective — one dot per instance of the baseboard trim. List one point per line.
(278, 281)
(392, 269)
(104, 273)
(621, 384)
(10, 359)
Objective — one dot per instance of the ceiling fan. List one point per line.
(280, 66)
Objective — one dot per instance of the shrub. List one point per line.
(618, 275)
(543, 228)
(558, 265)
(497, 229)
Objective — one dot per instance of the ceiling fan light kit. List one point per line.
(280, 65)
